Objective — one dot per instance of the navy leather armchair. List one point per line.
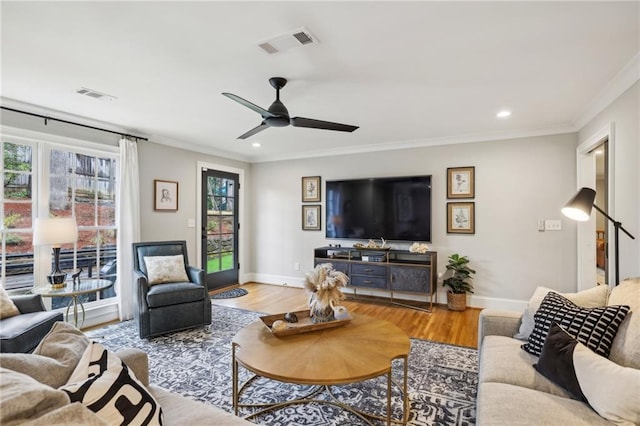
(168, 307)
(22, 333)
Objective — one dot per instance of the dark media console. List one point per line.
(390, 270)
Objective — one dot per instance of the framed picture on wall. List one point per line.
(311, 217)
(165, 195)
(461, 182)
(311, 189)
(461, 218)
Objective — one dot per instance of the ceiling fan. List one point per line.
(278, 116)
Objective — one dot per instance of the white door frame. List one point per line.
(585, 162)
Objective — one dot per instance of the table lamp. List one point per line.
(579, 208)
(55, 232)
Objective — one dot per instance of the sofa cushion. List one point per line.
(105, 385)
(174, 294)
(626, 346)
(590, 298)
(23, 398)
(503, 361)
(504, 404)
(594, 327)
(7, 307)
(165, 269)
(74, 414)
(556, 361)
(612, 390)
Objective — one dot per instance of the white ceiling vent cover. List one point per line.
(95, 94)
(291, 40)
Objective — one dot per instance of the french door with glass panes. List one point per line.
(220, 228)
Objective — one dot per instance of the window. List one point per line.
(16, 200)
(72, 182)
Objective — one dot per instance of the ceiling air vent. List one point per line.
(296, 38)
(95, 94)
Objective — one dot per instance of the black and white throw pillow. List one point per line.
(105, 385)
(593, 327)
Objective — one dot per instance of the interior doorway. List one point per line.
(594, 170)
(602, 231)
(220, 228)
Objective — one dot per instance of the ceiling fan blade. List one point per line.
(253, 131)
(263, 112)
(319, 124)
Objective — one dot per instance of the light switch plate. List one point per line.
(553, 225)
(191, 223)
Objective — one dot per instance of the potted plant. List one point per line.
(458, 279)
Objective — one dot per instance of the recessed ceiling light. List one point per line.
(599, 151)
(503, 114)
(256, 144)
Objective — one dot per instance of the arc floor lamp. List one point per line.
(579, 208)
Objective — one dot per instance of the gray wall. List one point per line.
(517, 182)
(624, 113)
(173, 164)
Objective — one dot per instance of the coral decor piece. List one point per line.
(418, 248)
(323, 285)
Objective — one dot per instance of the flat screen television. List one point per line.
(394, 208)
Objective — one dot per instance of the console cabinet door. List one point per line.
(407, 278)
(338, 265)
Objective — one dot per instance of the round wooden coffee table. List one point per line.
(362, 349)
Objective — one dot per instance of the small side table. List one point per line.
(74, 290)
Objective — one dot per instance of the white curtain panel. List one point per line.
(129, 225)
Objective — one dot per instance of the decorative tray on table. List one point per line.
(303, 325)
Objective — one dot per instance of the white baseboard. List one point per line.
(440, 297)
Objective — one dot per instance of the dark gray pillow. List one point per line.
(556, 361)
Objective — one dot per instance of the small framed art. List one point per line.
(311, 189)
(461, 218)
(311, 217)
(461, 182)
(165, 195)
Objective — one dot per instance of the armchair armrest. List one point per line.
(143, 283)
(493, 322)
(138, 362)
(196, 275)
(27, 303)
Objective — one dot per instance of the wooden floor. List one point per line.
(441, 325)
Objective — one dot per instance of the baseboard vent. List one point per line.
(291, 40)
(95, 94)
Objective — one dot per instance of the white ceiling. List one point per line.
(408, 73)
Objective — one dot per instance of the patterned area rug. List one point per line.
(197, 363)
(230, 294)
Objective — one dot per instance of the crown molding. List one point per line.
(626, 78)
(41, 110)
(419, 143)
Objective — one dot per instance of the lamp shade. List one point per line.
(579, 207)
(55, 231)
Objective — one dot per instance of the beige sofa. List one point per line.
(511, 391)
(30, 387)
